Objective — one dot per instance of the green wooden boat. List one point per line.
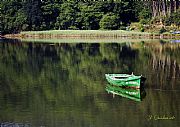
(125, 80)
(133, 94)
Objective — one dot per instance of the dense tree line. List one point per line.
(21, 15)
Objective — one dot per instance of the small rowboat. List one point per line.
(125, 80)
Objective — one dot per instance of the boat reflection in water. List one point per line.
(133, 94)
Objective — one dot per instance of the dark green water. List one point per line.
(63, 85)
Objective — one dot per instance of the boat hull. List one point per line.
(130, 81)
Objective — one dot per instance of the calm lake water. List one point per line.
(63, 85)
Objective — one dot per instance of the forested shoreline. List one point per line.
(37, 15)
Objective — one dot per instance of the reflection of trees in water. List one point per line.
(65, 78)
(157, 62)
(165, 64)
(66, 81)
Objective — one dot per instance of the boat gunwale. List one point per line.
(124, 77)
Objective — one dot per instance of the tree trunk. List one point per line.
(155, 8)
(171, 6)
(176, 5)
(164, 8)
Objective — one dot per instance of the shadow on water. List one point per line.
(63, 84)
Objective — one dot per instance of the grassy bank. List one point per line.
(97, 34)
(80, 32)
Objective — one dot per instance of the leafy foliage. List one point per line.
(67, 15)
(27, 15)
(145, 16)
(33, 12)
(173, 19)
(109, 21)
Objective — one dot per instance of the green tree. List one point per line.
(176, 18)
(90, 16)
(18, 15)
(32, 9)
(50, 10)
(12, 17)
(145, 16)
(109, 21)
(173, 19)
(126, 10)
(20, 21)
(67, 15)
